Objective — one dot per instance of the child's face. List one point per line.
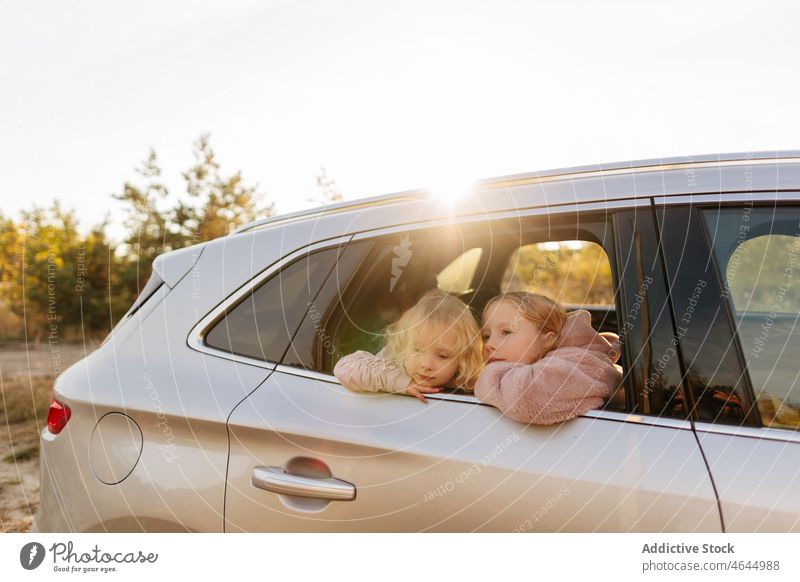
(508, 336)
(433, 360)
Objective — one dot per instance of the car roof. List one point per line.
(618, 180)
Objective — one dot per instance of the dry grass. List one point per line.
(23, 411)
(19, 476)
(24, 399)
(10, 323)
(27, 373)
(25, 454)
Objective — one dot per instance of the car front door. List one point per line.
(737, 303)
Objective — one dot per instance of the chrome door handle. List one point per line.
(276, 480)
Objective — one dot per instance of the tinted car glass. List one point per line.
(758, 254)
(704, 335)
(653, 373)
(261, 324)
(311, 344)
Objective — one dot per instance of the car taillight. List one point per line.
(57, 416)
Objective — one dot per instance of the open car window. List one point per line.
(473, 262)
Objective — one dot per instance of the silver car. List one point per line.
(212, 405)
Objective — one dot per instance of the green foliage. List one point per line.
(158, 222)
(52, 277)
(570, 272)
(64, 284)
(221, 204)
(761, 274)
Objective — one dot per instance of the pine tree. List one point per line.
(159, 222)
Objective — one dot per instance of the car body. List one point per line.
(212, 406)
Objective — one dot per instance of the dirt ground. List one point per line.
(19, 477)
(26, 380)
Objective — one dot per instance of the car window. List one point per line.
(575, 273)
(312, 345)
(470, 261)
(757, 251)
(262, 323)
(653, 375)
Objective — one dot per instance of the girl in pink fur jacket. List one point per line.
(543, 366)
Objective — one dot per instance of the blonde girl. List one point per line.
(435, 343)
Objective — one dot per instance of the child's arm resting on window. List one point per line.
(365, 372)
(552, 390)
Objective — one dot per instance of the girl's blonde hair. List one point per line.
(547, 314)
(439, 309)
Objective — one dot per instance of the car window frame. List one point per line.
(732, 197)
(714, 200)
(647, 327)
(196, 337)
(591, 211)
(683, 272)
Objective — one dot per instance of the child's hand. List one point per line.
(417, 390)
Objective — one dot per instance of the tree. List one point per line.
(328, 192)
(103, 297)
(11, 237)
(62, 283)
(573, 273)
(220, 204)
(52, 277)
(148, 233)
(213, 206)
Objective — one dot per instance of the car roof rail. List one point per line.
(336, 207)
(655, 164)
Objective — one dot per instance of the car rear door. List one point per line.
(308, 455)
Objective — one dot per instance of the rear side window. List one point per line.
(261, 325)
(757, 251)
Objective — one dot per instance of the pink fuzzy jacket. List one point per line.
(578, 375)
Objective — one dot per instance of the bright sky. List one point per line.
(388, 96)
